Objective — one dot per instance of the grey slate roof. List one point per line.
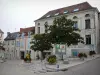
(1, 31)
(11, 36)
(81, 7)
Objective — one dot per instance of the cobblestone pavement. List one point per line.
(17, 67)
(89, 68)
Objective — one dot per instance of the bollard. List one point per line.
(57, 67)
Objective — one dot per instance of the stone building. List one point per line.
(87, 19)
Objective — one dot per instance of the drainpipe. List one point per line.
(95, 32)
(25, 45)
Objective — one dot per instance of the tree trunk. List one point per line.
(41, 56)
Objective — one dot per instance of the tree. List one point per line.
(2, 46)
(63, 31)
(40, 42)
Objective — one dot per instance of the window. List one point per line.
(12, 42)
(76, 9)
(8, 42)
(76, 25)
(38, 30)
(29, 34)
(57, 14)
(38, 23)
(22, 35)
(87, 15)
(18, 44)
(87, 24)
(29, 43)
(48, 15)
(65, 12)
(22, 43)
(88, 39)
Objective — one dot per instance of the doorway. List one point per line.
(22, 54)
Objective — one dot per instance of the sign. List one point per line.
(58, 46)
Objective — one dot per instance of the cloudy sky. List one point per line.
(16, 14)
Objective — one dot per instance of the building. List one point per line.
(1, 35)
(87, 20)
(2, 51)
(10, 45)
(23, 42)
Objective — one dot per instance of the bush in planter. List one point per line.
(84, 55)
(52, 59)
(27, 58)
(80, 55)
(92, 53)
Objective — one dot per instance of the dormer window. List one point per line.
(65, 12)
(48, 15)
(57, 14)
(76, 10)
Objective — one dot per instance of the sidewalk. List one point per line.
(38, 67)
(72, 62)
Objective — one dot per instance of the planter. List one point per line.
(82, 58)
(27, 61)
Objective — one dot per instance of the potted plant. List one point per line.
(27, 58)
(81, 56)
(52, 59)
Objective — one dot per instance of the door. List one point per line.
(22, 54)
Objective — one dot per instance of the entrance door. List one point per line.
(22, 54)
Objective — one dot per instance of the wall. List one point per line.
(81, 25)
(1, 37)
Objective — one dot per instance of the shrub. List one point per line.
(85, 55)
(52, 59)
(27, 58)
(92, 53)
(80, 55)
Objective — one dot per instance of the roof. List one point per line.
(11, 36)
(26, 30)
(1, 31)
(70, 9)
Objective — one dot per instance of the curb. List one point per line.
(65, 69)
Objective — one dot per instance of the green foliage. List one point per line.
(27, 58)
(85, 55)
(63, 31)
(80, 55)
(41, 43)
(52, 59)
(91, 53)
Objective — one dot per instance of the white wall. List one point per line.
(81, 25)
(1, 37)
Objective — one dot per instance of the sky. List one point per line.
(16, 14)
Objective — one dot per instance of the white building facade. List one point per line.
(1, 36)
(87, 19)
(23, 43)
(10, 45)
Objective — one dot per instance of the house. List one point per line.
(23, 42)
(10, 45)
(1, 35)
(87, 20)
